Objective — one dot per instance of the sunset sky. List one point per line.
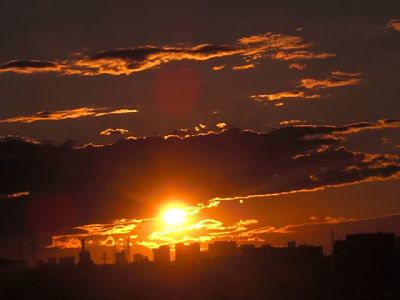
(257, 121)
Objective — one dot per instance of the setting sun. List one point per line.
(174, 216)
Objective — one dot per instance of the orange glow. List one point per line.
(174, 216)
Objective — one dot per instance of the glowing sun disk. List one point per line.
(174, 216)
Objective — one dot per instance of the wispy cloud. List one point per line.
(301, 55)
(297, 66)
(328, 220)
(337, 79)
(97, 232)
(219, 67)
(284, 96)
(14, 195)
(125, 61)
(243, 67)
(114, 131)
(203, 231)
(76, 113)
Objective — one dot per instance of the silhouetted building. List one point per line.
(138, 258)
(162, 255)
(366, 255)
(308, 256)
(33, 250)
(40, 263)
(84, 255)
(246, 248)
(128, 250)
(12, 263)
(223, 249)
(291, 244)
(187, 254)
(51, 261)
(66, 261)
(250, 253)
(120, 258)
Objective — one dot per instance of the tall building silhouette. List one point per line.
(187, 254)
(162, 255)
(366, 255)
(66, 261)
(223, 249)
(120, 257)
(138, 258)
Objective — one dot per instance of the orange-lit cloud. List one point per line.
(243, 67)
(221, 125)
(394, 24)
(328, 220)
(14, 195)
(125, 61)
(301, 55)
(114, 131)
(203, 231)
(200, 127)
(338, 79)
(362, 126)
(200, 231)
(284, 96)
(219, 67)
(291, 122)
(184, 133)
(76, 113)
(306, 158)
(103, 232)
(297, 66)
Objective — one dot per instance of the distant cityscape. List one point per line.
(364, 254)
(361, 266)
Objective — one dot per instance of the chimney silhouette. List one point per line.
(83, 245)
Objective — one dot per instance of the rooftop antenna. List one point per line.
(83, 245)
(128, 248)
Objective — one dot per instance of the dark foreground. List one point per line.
(213, 281)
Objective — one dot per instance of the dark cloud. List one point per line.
(132, 176)
(30, 66)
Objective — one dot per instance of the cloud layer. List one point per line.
(30, 66)
(125, 61)
(76, 113)
(86, 185)
(337, 79)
